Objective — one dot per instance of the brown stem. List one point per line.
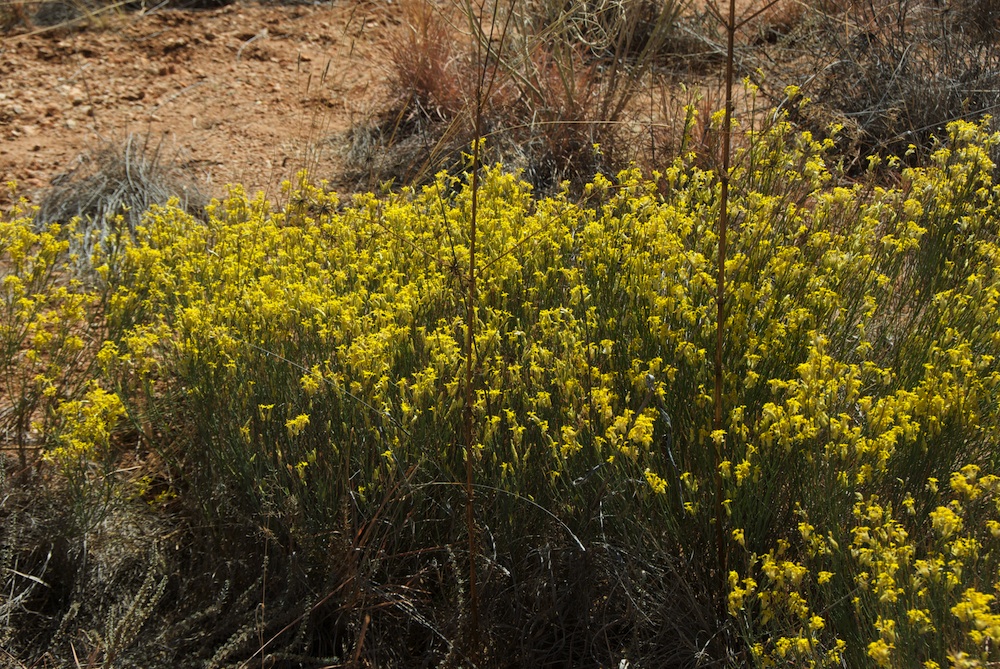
(470, 328)
(720, 297)
(470, 520)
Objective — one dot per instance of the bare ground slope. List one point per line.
(246, 94)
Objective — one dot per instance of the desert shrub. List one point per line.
(43, 328)
(555, 81)
(301, 371)
(332, 340)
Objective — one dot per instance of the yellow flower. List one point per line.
(310, 382)
(296, 425)
(742, 471)
(570, 444)
(657, 484)
(945, 521)
(642, 431)
(881, 652)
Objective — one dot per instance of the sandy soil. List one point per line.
(245, 93)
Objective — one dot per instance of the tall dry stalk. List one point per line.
(731, 26)
(483, 89)
(720, 296)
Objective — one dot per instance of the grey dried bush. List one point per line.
(893, 73)
(113, 185)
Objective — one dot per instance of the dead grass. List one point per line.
(562, 104)
(114, 183)
(893, 73)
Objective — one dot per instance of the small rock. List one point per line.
(76, 96)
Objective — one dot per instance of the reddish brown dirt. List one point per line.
(246, 93)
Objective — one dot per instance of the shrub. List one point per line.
(43, 324)
(558, 82)
(894, 73)
(302, 371)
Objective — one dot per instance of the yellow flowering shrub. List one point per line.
(895, 318)
(45, 326)
(82, 451)
(314, 350)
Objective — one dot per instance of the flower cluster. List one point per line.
(44, 325)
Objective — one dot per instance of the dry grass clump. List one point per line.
(429, 68)
(562, 90)
(425, 125)
(892, 73)
(114, 184)
(68, 594)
